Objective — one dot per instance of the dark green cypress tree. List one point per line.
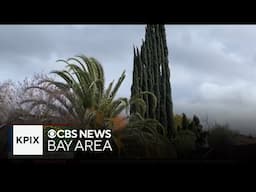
(151, 73)
(135, 82)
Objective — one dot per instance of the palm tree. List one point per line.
(81, 95)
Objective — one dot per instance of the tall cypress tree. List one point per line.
(151, 73)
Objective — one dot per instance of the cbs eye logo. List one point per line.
(52, 133)
(62, 134)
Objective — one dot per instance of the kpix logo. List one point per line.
(27, 140)
(24, 140)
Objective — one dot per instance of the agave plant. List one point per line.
(138, 119)
(80, 96)
(145, 138)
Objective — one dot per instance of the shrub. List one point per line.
(221, 137)
(182, 123)
(145, 139)
(139, 144)
(185, 143)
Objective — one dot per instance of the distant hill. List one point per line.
(246, 140)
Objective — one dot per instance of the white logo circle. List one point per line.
(52, 133)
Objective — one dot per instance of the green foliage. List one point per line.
(140, 103)
(183, 123)
(80, 97)
(220, 137)
(185, 143)
(177, 122)
(147, 125)
(145, 138)
(151, 73)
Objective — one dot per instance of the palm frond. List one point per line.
(118, 84)
(82, 94)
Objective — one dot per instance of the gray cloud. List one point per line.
(32, 49)
(214, 73)
(213, 69)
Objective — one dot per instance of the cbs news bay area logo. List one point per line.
(37, 139)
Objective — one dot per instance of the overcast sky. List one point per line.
(213, 67)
